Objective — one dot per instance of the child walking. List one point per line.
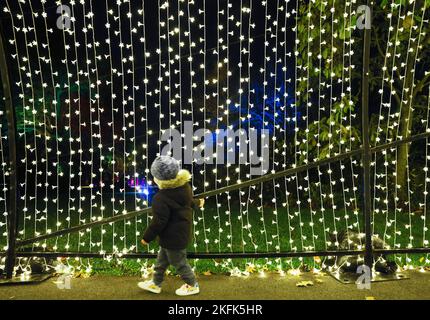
(172, 219)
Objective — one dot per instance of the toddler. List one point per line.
(172, 218)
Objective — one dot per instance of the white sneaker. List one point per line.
(149, 285)
(187, 290)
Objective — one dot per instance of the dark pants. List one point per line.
(176, 258)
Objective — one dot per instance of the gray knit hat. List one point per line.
(165, 168)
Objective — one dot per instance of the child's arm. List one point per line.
(160, 217)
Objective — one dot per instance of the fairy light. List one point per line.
(20, 86)
(320, 85)
(410, 110)
(296, 127)
(274, 146)
(54, 114)
(132, 112)
(425, 169)
(203, 12)
(425, 228)
(332, 75)
(67, 128)
(393, 68)
(404, 89)
(286, 80)
(334, 128)
(131, 131)
(244, 208)
(251, 26)
(228, 72)
(308, 105)
(389, 165)
(222, 87)
(90, 151)
(390, 116)
(379, 130)
(261, 207)
(79, 112)
(245, 204)
(264, 107)
(44, 157)
(123, 135)
(25, 30)
(353, 162)
(168, 73)
(161, 25)
(191, 44)
(413, 71)
(218, 118)
(97, 134)
(224, 67)
(294, 272)
(341, 138)
(398, 231)
(3, 198)
(178, 95)
(112, 149)
(170, 85)
(144, 121)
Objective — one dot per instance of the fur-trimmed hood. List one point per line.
(182, 178)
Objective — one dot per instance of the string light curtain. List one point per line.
(98, 83)
(400, 174)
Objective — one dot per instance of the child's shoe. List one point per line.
(149, 285)
(187, 290)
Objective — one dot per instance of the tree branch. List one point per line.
(383, 54)
(423, 82)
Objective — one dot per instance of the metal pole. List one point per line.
(194, 255)
(221, 255)
(399, 142)
(366, 157)
(12, 218)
